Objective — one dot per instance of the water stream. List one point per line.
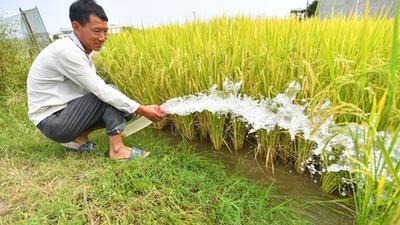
(282, 112)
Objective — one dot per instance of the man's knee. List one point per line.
(55, 131)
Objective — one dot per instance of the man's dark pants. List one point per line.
(82, 114)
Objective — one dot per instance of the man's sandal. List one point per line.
(134, 154)
(81, 148)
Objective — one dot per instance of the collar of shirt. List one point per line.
(75, 39)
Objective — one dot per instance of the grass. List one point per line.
(43, 183)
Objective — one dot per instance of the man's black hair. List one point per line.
(81, 10)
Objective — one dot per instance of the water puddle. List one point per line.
(318, 207)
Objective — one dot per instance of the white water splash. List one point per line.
(283, 113)
(263, 114)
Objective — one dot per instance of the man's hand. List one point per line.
(151, 112)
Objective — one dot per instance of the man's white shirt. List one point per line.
(63, 72)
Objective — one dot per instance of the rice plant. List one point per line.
(343, 60)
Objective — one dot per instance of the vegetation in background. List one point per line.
(15, 62)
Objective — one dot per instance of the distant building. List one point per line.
(328, 8)
(65, 31)
(114, 28)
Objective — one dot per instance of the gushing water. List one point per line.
(264, 114)
(281, 112)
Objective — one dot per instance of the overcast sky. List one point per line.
(152, 12)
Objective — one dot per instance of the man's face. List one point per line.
(93, 34)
